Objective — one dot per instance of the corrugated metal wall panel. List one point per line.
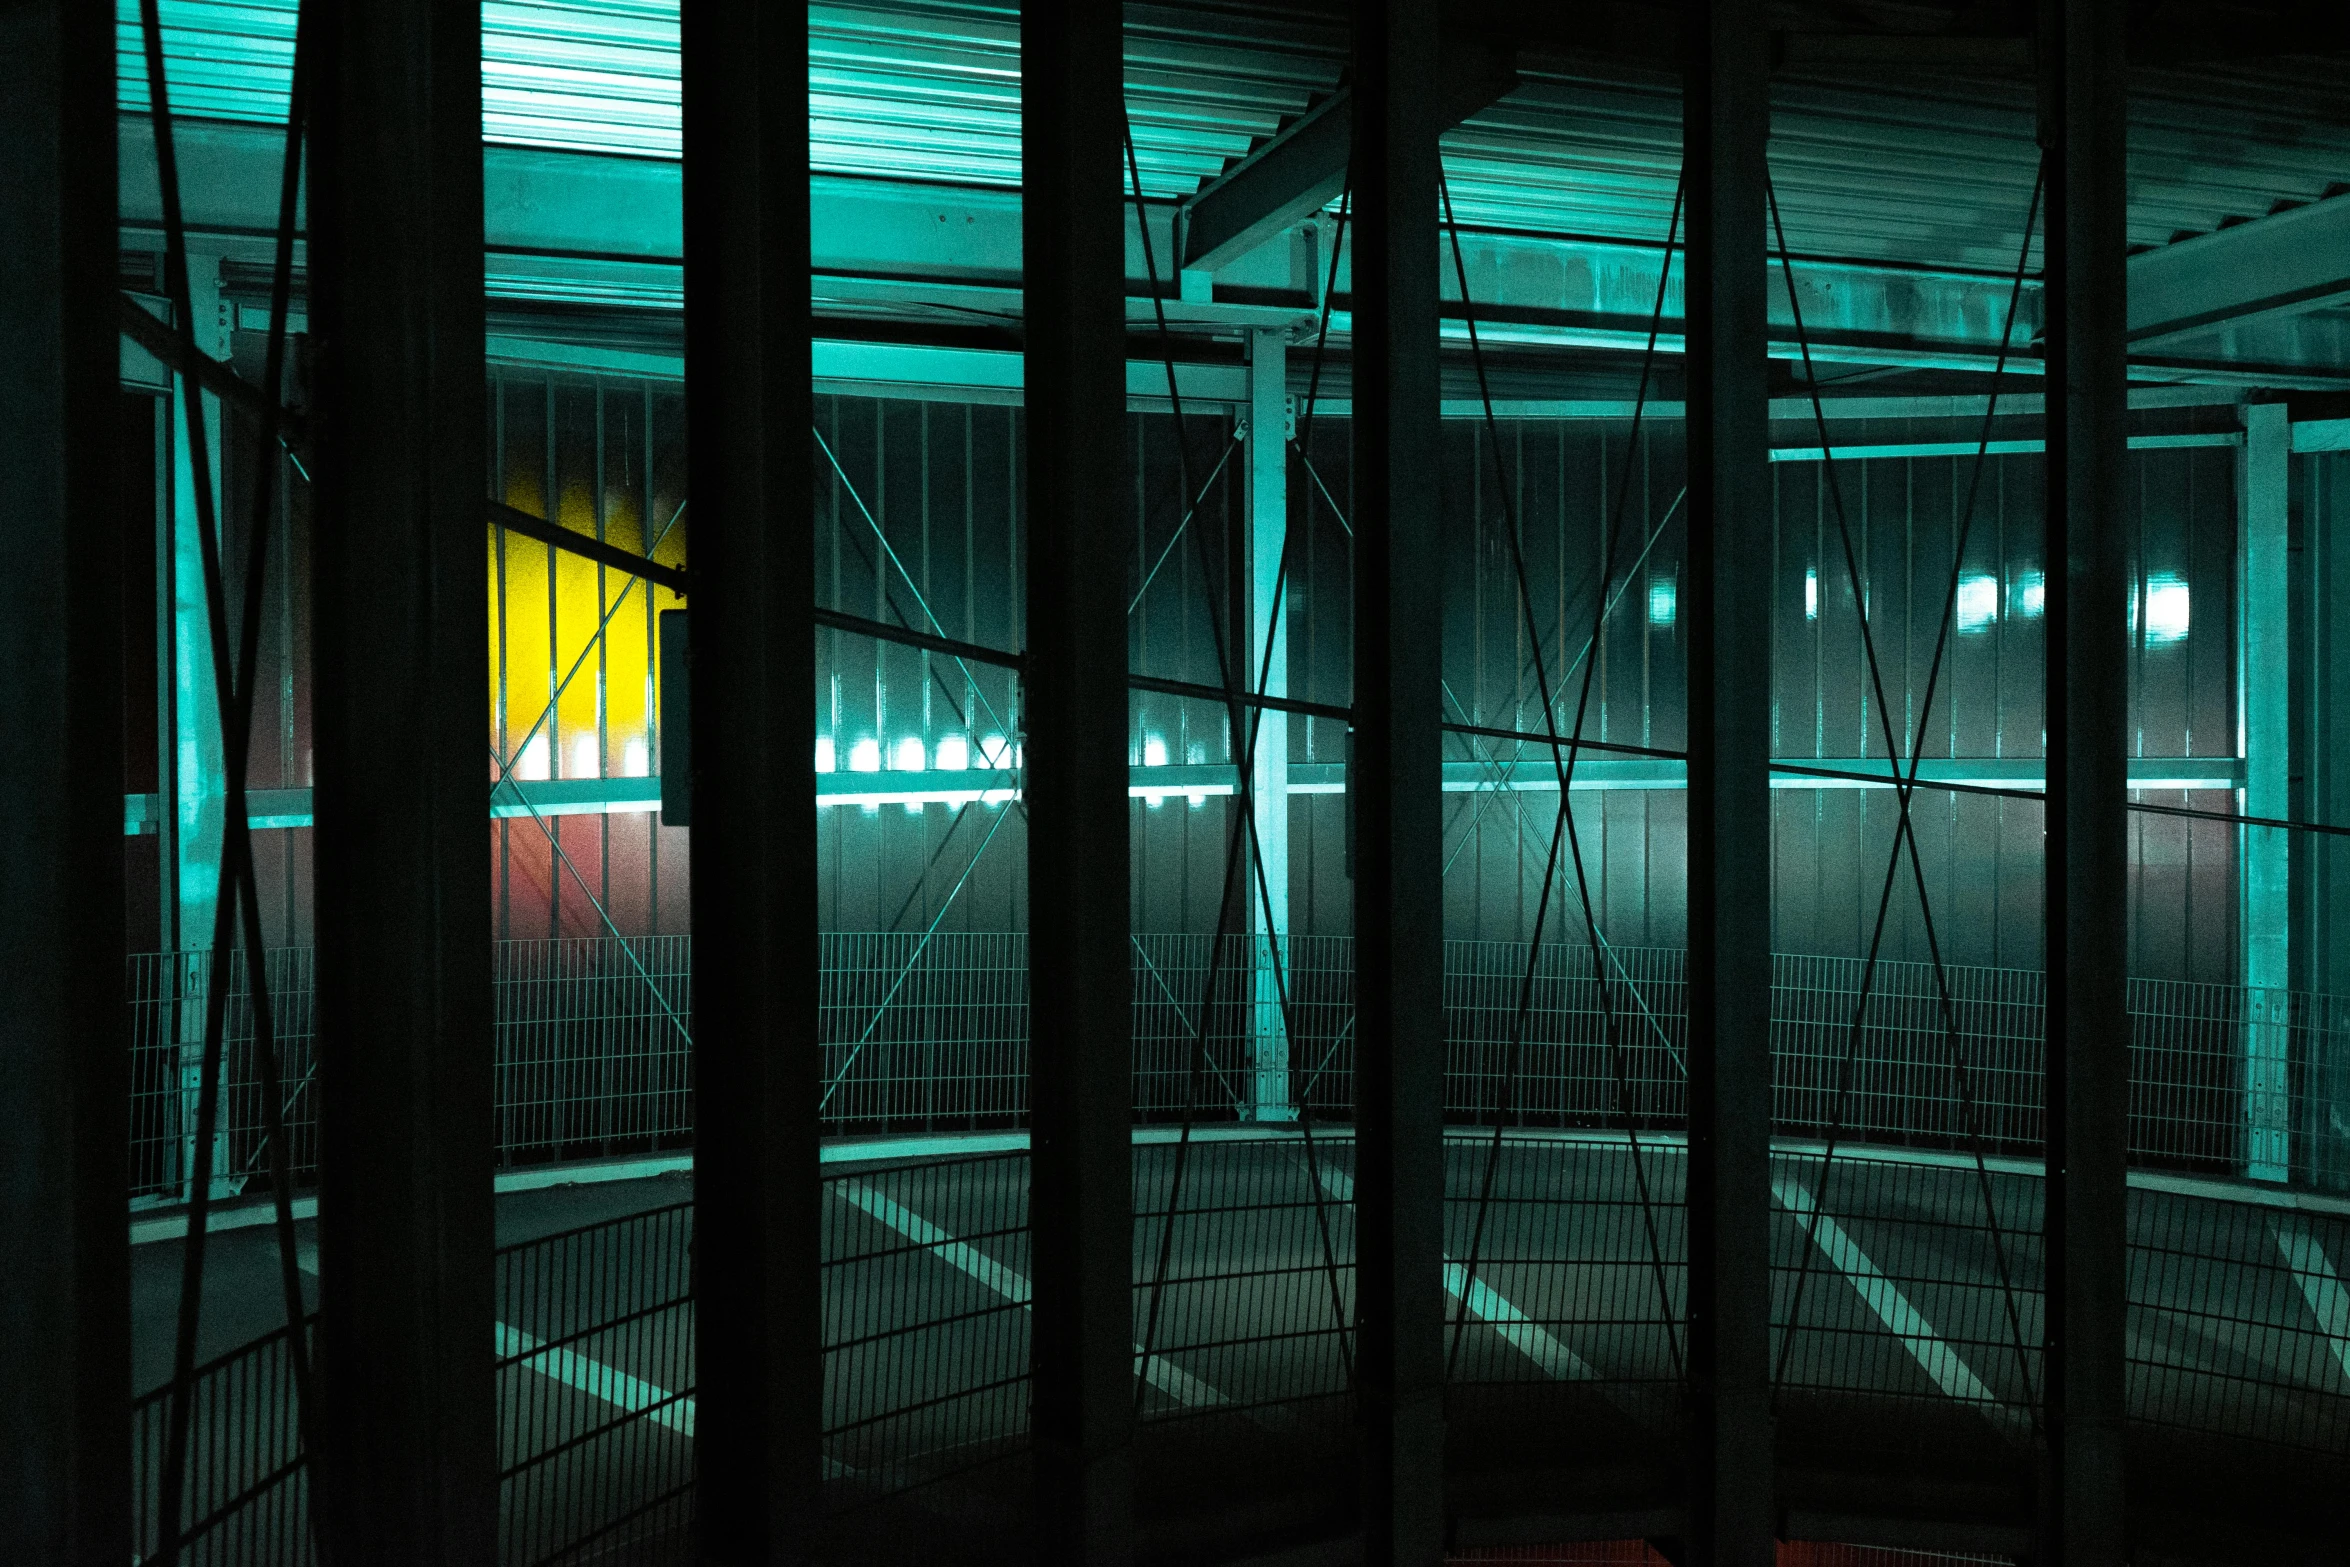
(940, 482)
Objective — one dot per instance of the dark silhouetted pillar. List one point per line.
(759, 1330)
(403, 726)
(1726, 126)
(1396, 775)
(1080, 978)
(64, 1052)
(2087, 844)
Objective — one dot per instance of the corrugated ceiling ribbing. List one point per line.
(1933, 172)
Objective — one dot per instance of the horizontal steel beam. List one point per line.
(512, 520)
(1532, 773)
(1301, 168)
(603, 232)
(2288, 262)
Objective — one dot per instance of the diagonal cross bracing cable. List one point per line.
(1243, 726)
(1905, 784)
(906, 972)
(1564, 754)
(971, 681)
(237, 887)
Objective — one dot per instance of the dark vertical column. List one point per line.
(1726, 127)
(757, 1217)
(1080, 983)
(2088, 700)
(402, 730)
(1396, 776)
(64, 1288)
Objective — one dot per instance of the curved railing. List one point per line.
(1908, 1272)
(929, 1034)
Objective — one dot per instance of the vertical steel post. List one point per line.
(65, 1287)
(749, 404)
(1081, 988)
(1268, 621)
(1726, 127)
(2264, 855)
(1396, 776)
(409, 1470)
(2087, 848)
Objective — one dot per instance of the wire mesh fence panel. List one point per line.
(168, 995)
(926, 1289)
(2239, 1320)
(593, 1047)
(1268, 1037)
(595, 1369)
(1244, 1288)
(924, 1033)
(1566, 1260)
(1562, 1042)
(155, 990)
(246, 1494)
(1906, 1074)
(931, 1034)
(2321, 1091)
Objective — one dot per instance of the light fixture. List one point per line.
(1978, 602)
(2027, 596)
(825, 760)
(1154, 750)
(1663, 600)
(865, 756)
(2166, 608)
(1811, 594)
(954, 754)
(907, 755)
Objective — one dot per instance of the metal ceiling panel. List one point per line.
(1933, 172)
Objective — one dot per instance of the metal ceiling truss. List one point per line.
(928, 262)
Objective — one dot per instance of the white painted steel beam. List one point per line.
(2282, 264)
(2264, 854)
(1266, 656)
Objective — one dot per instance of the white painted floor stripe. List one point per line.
(1925, 1345)
(1521, 1332)
(580, 1373)
(1159, 1371)
(2320, 1285)
(598, 1380)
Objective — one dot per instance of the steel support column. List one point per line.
(2264, 854)
(409, 1468)
(1396, 776)
(2087, 845)
(1081, 987)
(1267, 652)
(65, 1288)
(759, 1420)
(1726, 126)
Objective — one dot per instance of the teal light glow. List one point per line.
(1977, 608)
(1663, 600)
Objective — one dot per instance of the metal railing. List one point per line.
(930, 1035)
(1243, 1301)
(595, 1369)
(247, 1496)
